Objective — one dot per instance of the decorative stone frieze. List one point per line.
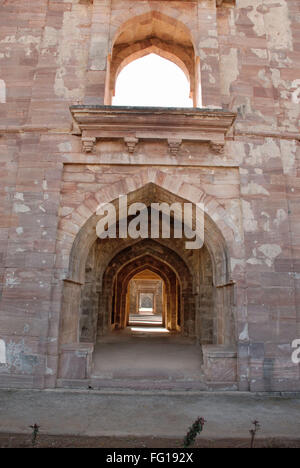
(131, 143)
(88, 144)
(217, 147)
(174, 145)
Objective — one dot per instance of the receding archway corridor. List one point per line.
(145, 299)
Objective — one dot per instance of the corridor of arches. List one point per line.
(148, 305)
(144, 331)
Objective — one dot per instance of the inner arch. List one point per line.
(145, 300)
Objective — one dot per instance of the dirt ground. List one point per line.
(55, 441)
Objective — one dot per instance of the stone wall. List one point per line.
(54, 54)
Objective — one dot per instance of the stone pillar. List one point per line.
(197, 93)
(70, 312)
(158, 299)
(188, 325)
(98, 53)
(220, 364)
(173, 306)
(108, 93)
(225, 332)
(105, 311)
(208, 51)
(76, 361)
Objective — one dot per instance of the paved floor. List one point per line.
(157, 356)
(160, 414)
(147, 352)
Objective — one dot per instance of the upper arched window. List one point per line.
(152, 81)
(158, 48)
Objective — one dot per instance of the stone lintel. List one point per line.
(219, 3)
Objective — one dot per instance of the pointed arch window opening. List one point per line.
(152, 81)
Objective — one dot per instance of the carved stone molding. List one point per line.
(88, 144)
(174, 145)
(218, 2)
(217, 147)
(174, 125)
(131, 143)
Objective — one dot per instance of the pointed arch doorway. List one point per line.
(197, 309)
(148, 352)
(145, 301)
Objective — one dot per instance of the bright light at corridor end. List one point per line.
(152, 81)
(150, 329)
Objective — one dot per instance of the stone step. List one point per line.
(139, 384)
(145, 323)
(154, 386)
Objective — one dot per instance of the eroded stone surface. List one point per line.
(56, 54)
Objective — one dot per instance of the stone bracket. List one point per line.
(133, 124)
(217, 147)
(174, 145)
(131, 143)
(88, 144)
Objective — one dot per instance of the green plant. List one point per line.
(193, 431)
(35, 431)
(253, 432)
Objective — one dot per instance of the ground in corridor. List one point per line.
(147, 352)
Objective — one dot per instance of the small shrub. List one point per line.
(35, 431)
(253, 432)
(193, 431)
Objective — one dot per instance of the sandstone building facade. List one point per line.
(64, 149)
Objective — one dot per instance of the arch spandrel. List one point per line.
(152, 23)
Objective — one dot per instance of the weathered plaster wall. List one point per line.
(49, 59)
(260, 67)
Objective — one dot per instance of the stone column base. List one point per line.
(76, 361)
(220, 364)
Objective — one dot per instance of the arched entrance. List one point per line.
(196, 309)
(157, 258)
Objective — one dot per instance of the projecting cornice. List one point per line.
(151, 123)
(219, 3)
